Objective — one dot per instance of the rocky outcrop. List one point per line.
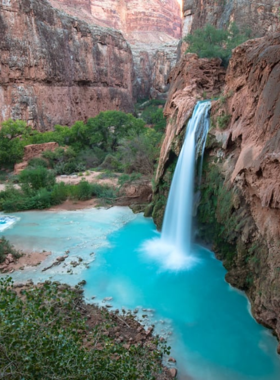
(259, 17)
(191, 80)
(33, 151)
(56, 69)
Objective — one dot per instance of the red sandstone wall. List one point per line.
(129, 16)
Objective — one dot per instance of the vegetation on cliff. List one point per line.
(48, 333)
(210, 42)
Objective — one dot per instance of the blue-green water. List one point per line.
(213, 335)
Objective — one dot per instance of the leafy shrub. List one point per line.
(35, 162)
(82, 191)
(139, 153)
(210, 42)
(103, 191)
(36, 178)
(112, 162)
(44, 336)
(223, 121)
(124, 178)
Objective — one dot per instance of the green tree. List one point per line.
(36, 178)
(210, 42)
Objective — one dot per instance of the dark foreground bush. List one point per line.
(44, 336)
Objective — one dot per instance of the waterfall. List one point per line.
(174, 247)
(177, 224)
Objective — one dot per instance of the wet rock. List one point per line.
(173, 372)
(172, 360)
(10, 258)
(61, 258)
(139, 337)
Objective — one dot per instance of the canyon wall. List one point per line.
(61, 61)
(239, 211)
(139, 20)
(152, 28)
(251, 165)
(258, 16)
(57, 69)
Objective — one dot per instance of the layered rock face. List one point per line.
(56, 69)
(140, 20)
(153, 29)
(258, 16)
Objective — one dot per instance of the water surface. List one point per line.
(208, 323)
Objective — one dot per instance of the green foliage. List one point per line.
(125, 178)
(44, 336)
(139, 153)
(6, 248)
(223, 121)
(36, 178)
(152, 113)
(210, 42)
(35, 162)
(215, 212)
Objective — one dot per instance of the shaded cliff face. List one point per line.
(57, 69)
(153, 29)
(139, 20)
(252, 165)
(258, 16)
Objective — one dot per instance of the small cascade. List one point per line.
(174, 247)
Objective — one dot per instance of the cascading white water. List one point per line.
(173, 249)
(177, 224)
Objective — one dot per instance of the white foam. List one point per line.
(7, 222)
(168, 256)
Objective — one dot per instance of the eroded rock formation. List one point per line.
(56, 69)
(191, 80)
(258, 16)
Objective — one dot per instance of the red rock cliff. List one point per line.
(258, 16)
(137, 19)
(57, 69)
(252, 153)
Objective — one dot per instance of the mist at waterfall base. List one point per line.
(173, 249)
